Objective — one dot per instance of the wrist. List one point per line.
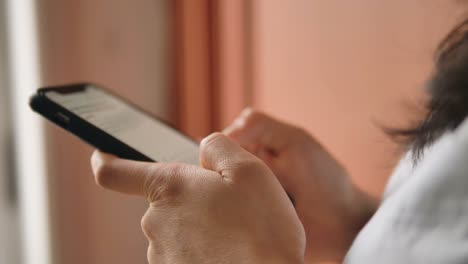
(362, 208)
(338, 224)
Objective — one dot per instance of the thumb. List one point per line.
(135, 177)
(219, 153)
(256, 128)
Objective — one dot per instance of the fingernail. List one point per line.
(228, 130)
(236, 125)
(246, 111)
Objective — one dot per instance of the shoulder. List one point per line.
(446, 154)
(426, 213)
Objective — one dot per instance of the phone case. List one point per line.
(80, 127)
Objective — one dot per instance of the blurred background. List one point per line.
(340, 69)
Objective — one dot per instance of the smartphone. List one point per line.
(112, 124)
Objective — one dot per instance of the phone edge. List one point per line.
(84, 130)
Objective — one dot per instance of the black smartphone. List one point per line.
(112, 124)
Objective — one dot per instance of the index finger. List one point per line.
(253, 127)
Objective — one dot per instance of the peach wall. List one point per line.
(339, 67)
(232, 63)
(212, 66)
(193, 66)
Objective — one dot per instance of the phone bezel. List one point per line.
(86, 131)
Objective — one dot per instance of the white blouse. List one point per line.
(424, 215)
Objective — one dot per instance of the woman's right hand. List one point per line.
(230, 209)
(332, 209)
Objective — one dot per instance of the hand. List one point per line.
(330, 207)
(230, 210)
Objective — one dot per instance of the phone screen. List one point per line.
(128, 124)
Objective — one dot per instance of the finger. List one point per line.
(252, 148)
(253, 127)
(117, 174)
(135, 177)
(219, 153)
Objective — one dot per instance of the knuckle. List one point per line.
(211, 141)
(250, 165)
(302, 137)
(166, 185)
(148, 226)
(300, 132)
(251, 172)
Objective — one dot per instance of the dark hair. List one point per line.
(448, 90)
